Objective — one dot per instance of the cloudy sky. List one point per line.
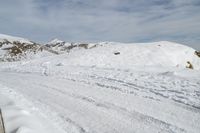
(103, 20)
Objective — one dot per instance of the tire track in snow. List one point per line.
(93, 101)
(70, 121)
(148, 120)
(144, 89)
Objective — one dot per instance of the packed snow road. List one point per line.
(92, 100)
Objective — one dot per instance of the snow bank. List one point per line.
(18, 120)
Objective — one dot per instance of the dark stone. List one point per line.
(116, 53)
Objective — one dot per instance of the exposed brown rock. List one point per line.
(189, 65)
(197, 53)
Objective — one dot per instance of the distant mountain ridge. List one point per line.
(111, 54)
(17, 48)
(6, 38)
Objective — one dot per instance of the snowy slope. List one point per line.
(12, 39)
(20, 120)
(153, 54)
(58, 45)
(92, 99)
(106, 87)
(16, 48)
(110, 54)
(157, 54)
(55, 41)
(65, 47)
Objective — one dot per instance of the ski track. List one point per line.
(121, 110)
(74, 97)
(158, 89)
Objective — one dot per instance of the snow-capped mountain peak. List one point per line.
(56, 41)
(17, 48)
(12, 39)
(163, 53)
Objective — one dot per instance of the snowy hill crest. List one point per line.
(55, 41)
(110, 54)
(16, 48)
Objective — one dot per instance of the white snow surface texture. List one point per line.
(109, 88)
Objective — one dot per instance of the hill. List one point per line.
(102, 54)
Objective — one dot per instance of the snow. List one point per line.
(58, 45)
(107, 100)
(12, 39)
(26, 53)
(144, 88)
(20, 120)
(158, 54)
(55, 41)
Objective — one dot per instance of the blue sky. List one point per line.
(103, 20)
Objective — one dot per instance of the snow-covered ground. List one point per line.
(20, 120)
(111, 88)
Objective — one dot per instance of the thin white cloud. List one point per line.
(101, 20)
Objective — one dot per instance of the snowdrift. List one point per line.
(19, 120)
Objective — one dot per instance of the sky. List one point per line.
(103, 20)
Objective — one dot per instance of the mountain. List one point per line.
(99, 87)
(55, 42)
(121, 55)
(106, 54)
(16, 48)
(58, 45)
(65, 47)
(11, 39)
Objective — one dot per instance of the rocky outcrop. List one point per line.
(197, 53)
(14, 49)
(64, 47)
